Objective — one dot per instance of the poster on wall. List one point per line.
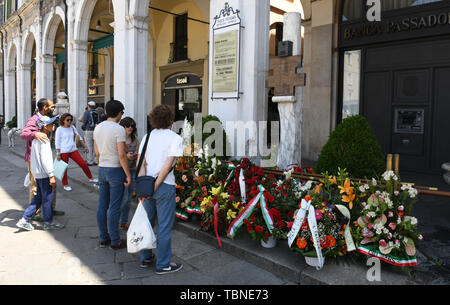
(226, 53)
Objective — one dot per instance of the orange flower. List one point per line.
(301, 243)
(331, 241)
(333, 180)
(308, 198)
(347, 188)
(349, 199)
(317, 191)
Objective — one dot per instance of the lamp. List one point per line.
(99, 25)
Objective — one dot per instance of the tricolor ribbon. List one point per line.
(307, 208)
(347, 234)
(247, 211)
(233, 168)
(181, 215)
(393, 260)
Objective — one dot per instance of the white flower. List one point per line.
(279, 183)
(378, 231)
(413, 220)
(371, 214)
(399, 220)
(396, 193)
(374, 182)
(388, 175)
(362, 189)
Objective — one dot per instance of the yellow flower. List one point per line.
(231, 215)
(205, 201)
(216, 190)
(236, 205)
(224, 195)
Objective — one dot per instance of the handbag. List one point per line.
(76, 138)
(59, 168)
(145, 185)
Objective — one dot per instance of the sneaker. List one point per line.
(53, 226)
(104, 244)
(93, 180)
(24, 224)
(68, 188)
(173, 267)
(121, 245)
(147, 262)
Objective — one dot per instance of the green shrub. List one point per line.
(206, 135)
(353, 146)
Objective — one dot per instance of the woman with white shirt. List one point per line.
(66, 147)
(163, 147)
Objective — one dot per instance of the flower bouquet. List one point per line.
(386, 229)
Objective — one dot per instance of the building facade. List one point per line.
(147, 52)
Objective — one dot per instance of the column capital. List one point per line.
(25, 67)
(79, 45)
(138, 22)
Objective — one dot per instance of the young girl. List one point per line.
(41, 164)
(66, 147)
(132, 147)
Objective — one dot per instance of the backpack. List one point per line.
(93, 118)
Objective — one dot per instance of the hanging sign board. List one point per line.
(226, 54)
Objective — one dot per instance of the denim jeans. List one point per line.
(126, 199)
(162, 204)
(110, 180)
(44, 198)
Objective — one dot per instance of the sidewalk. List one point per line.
(273, 266)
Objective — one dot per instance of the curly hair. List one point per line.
(63, 117)
(162, 116)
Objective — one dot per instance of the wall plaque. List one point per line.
(226, 54)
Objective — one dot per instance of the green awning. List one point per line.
(103, 42)
(60, 58)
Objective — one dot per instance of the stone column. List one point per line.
(78, 97)
(24, 110)
(45, 80)
(131, 67)
(290, 108)
(10, 94)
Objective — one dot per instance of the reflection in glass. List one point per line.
(351, 84)
(352, 10)
(388, 5)
(189, 102)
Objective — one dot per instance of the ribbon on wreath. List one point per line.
(233, 169)
(247, 211)
(216, 221)
(307, 208)
(348, 236)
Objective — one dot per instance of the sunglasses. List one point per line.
(69, 120)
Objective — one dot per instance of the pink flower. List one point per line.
(420, 237)
(401, 208)
(289, 225)
(204, 189)
(392, 225)
(318, 215)
(370, 225)
(382, 243)
(390, 214)
(389, 235)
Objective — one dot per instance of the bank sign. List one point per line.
(395, 28)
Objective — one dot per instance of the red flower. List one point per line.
(259, 229)
(269, 197)
(249, 228)
(246, 222)
(266, 234)
(281, 224)
(305, 226)
(291, 214)
(286, 194)
(192, 203)
(324, 243)
(290, 224)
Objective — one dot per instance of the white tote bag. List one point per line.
(140, 235)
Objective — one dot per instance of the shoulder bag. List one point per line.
(145, 185)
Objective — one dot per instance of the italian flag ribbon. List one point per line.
(195, 210)
(181, 215)
(393, 260)
(348, 236)
(247, 211)
(307, 208)
(231, 167)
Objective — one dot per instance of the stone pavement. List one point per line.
(75, 258)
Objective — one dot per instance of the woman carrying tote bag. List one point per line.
(163, 146)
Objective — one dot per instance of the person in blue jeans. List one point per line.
(132, 150)
(113, 174)
(41, 166)
(164, 146)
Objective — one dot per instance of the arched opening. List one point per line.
(28, 67)
(101, 53)
(11, 84)
(53, 61)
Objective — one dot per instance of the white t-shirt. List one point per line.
(163, 143)
(64, 139)
(106, 135)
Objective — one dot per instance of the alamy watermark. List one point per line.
(374, 10)
(243, 139)
(374, 272)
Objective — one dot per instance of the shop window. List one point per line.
(351, 10)
(389, 5)
(352, 76)
(189, 102)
